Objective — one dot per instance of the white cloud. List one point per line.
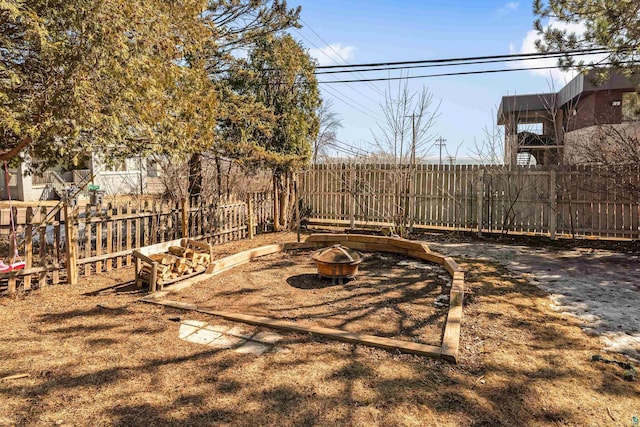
(332, 54)
(558, 77)
(508, 8)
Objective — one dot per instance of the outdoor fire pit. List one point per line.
(337, 262)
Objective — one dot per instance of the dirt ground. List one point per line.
(94, 355)
(391, 296)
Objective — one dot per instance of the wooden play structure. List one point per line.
(449, 347)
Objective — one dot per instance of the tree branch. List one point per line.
(10, 154)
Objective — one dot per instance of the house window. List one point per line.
(152, 168)
(537, 128)
(630, 107)
(116, 166)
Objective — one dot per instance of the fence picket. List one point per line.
(488, 198)
(87, 238)
(121, 227)
(109, 262)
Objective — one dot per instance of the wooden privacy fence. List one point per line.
(567, 201)
(102, 238)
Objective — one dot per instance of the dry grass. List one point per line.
(385, 299)
(96, 356)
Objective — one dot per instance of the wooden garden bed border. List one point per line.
(450, 344)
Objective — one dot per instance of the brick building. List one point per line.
(555, 127)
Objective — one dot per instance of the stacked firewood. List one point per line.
(177, 262)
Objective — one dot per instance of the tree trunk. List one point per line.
(218, 176)
(284, 200)
(227, 179)
(276, 203)
(195, 175)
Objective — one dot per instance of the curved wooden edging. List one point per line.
(451, 338)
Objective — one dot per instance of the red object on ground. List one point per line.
(4, 268)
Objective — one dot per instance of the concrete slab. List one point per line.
(226, 341)
(219, 328)
(267, 337)
(235, 338)
(198, 335)
(195, 323)
(252, 347)
(238, 332)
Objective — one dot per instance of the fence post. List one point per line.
(480, 203)
(276, 204)
(185, 217)
(71, 237)
(553, 203)
(11, 282)
(295, 190)
(250, 223)
(352, 194)
(28, 246)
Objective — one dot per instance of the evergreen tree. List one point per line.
(610, 24)
(109, 76)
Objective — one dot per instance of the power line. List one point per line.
(339, 96)
(535, 55)
(458, 73)
(361, 109)
(351, 146)
(338, 54)
(346, 151)
(407, 67)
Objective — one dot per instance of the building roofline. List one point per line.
(524, 104)
(585, 82)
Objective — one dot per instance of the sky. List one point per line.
(355, 32)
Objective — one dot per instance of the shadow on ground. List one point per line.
(521, 364)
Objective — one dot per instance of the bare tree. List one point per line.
(409, 118)
(403, 137)
(503, 186)
(490, 149)
(613, 152)
(330, 122)
(221, 177)
(500, 188)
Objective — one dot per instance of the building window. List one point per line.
(152, 168)
(116, 166)
(526, 159)
(537, 128)
(630, 107)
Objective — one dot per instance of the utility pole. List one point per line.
(440, 142)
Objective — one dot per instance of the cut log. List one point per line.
(180, 268)
(163, 272)
(164, 259)
(160, 258)
(178, 261)
(161, 268)
(201, 258)
(181, 252)
(177, 250)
